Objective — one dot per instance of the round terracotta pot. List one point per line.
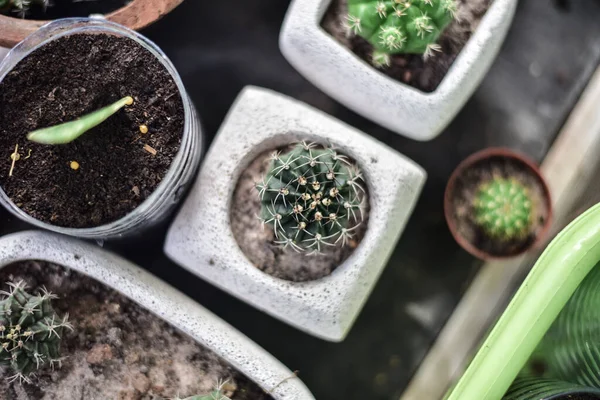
(493, 152)
(136, 15)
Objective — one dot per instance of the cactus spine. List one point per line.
(312, 197)
(503, 209)
(30, 331)
(21, 6)
(400, 26)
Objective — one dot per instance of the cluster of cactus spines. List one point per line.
(400, 26)
(21, 6)
(30, 331)
(312, 197)
(216, 394)
(503, 209)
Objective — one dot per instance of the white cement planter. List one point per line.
(161, 299)
(396, 106)
(201, 240)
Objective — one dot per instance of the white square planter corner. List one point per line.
(162, 300)
(401, 108)
(201, 240)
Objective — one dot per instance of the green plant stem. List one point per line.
(69, 131)
(537, 303)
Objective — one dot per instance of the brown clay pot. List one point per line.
(136, 15)
(471, 161)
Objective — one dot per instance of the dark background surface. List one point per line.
(221, 46)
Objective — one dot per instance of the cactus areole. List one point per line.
(400, 26)
(30, 331)
(312, 198)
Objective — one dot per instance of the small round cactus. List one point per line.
(312, 197)
(400, 26)
(30, 331)
(503, 209)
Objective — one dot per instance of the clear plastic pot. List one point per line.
(168, 193)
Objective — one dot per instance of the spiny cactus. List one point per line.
(30, 331)
(503, 209)
(400, 26)
(21, 6)
(312, 197)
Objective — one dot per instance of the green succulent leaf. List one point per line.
(69, 131)
(535, 310)
(532, 388)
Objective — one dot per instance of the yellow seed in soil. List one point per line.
(143, 129)
(74, 165)
(129, 101)
(15, 156)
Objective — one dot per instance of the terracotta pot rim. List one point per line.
(468, 163)
(15, 30)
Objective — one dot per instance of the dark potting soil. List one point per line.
(466, 188)
(64, 80)
(117, 350)
(67, 8)
(257, 241)
(412, 69)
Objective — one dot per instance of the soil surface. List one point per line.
(257, 242)
(64, 80)
(67, 8)
(118, 350)
(466, 189)
(412, 69)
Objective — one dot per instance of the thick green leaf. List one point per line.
(531, 388)
(535, 306)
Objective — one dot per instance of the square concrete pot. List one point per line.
(161, 299)
(401, 108)
(201, 240)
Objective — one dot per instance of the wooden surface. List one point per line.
(219, 47)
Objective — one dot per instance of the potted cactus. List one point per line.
(117, 313)
(408, 65)
(497, 204)
(545, 344)
(105, 139)
(308, 211)
(20, 18)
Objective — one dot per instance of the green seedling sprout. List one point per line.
(69, 131)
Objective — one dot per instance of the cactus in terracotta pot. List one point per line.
(400, 26)
(30, 331)
(312, 197)
(503, 209)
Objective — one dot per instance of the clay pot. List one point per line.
(475, 160)
(136, 15)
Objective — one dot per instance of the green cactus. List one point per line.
(30, 331)
(22, 6)
(400, 26)
(503, 209)
(312, 197)
(216, 395)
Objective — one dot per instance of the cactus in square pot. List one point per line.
(312, 198)
(30, 331)
(400, 27)
(546, 345)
